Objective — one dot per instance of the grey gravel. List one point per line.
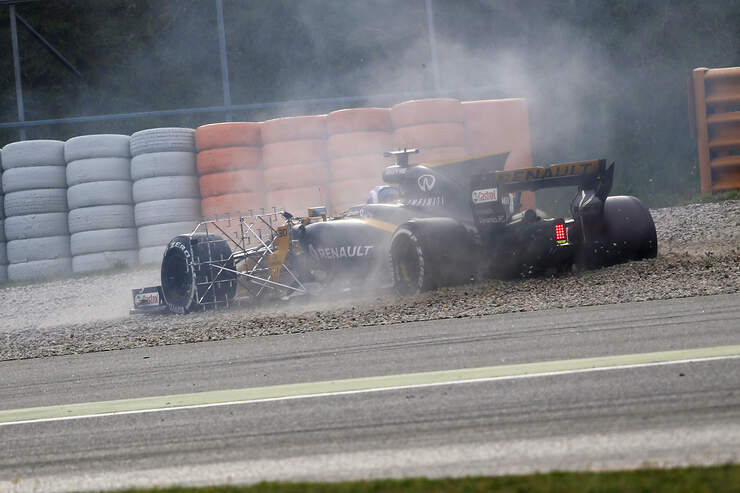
(699, 254)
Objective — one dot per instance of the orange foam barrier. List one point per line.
(297, 200)
(336, 159)
(293, 128)
(358, 120)
(430, 135)
(232, 205)
(241, 181)
(287, 177)
(292, 152)
(228, 159)
(715, 122)
(420, 111)
(228, 134)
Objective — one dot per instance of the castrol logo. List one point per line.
(488, 195)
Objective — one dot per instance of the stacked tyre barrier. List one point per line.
(230, 169)
(500, 125)
(357, 139)
(435, 126)
(35, 203)
(165, 188)
(295, 161)
(101, 210)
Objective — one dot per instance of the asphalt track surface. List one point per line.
(534, 409)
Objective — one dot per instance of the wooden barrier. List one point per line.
(714, 101)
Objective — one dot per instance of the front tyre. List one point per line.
(430, 253)
(410, 265)
(197, 273)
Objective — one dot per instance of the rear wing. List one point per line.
(594, 176)
(583, 174)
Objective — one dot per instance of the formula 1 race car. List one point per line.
(453, 222)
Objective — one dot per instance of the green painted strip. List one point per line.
(358, 384)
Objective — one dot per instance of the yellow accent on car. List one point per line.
(375, 223)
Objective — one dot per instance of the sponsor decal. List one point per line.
(492, 220)
(426, 182)
(554, 171)
(336, 253)
(394, 170)
(487, 195)
(145, 299)
(437, 200)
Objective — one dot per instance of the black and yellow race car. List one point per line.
(452, 222)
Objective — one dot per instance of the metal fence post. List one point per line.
(17, 68)
(702, 137)
(224, 59)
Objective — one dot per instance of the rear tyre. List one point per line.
(430, 253)
(627, 232)
(192, 273)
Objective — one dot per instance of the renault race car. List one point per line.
(453, 222)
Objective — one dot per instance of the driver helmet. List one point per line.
(383, 194)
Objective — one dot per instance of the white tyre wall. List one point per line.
(166, 187)
(103, 240)
(2, 230)
(33, 153)
(33, 249)
(161, 234)
(101, 217)
(3, 273)
(152, 255)
(96, 146)
(98, 169)
(3, 254)
(30, 178)
(36, 201)
(163, 164)
(167, 211)
(36, 226)
(39, 269)
(99, 193)
(105, 260)
(162, 140)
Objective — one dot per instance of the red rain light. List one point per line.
(560, 232)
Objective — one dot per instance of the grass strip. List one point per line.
(725, 478)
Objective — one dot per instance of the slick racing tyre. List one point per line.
(626, 232)
(198, 272)
(429, 253)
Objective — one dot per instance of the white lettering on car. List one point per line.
(427, 201)
(341, 252)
